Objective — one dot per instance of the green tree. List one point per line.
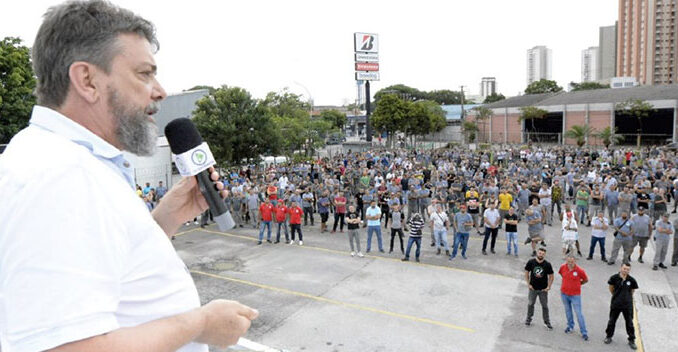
(444, 97)
(17, 82)
(543, 86)
(494, 97)
(575, 87)
(579, 133)
(530, 113)
(335, 117)
(482, 114)
(390, 115)
(470, 129)
(286, 104)
(637, 108)
(609, 137)
(236, 126)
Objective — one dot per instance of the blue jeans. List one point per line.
(583, 212)
(370, 230)
(261, 230)
(512, 237)
(460, 238)
(595, 240)
(570, 302)
(441, 236)
(282, 224)
(412, 240)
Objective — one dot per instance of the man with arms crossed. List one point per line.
(539, 278)
(108, 277)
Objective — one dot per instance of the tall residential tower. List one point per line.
(538, 64)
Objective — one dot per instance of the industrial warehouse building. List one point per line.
(595, 108)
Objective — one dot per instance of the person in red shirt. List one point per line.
(295, 221)
(272, 192)
(281, 219)
(339, 212)
(266, 214)
(570, 292)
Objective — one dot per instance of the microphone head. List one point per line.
(182, 135)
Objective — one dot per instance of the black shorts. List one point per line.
(324, 217)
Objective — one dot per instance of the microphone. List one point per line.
(194, 158)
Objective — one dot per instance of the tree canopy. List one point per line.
(17, 82)
(543, 86)
(575, 87)
(396, 115)
(335, 117)
(494, 97)
(442, 97)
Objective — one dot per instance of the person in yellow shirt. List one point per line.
(505, 200)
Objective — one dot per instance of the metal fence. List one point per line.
(545, 138)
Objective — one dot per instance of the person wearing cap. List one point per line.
(662, 236)
(641, 228)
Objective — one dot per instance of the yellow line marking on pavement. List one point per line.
(639, 340)
(185, 232)
(336, 302)
(343, 253)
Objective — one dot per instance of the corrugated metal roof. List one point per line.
(614, 95)
(520, 101)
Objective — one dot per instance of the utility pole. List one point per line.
(462, 103)
(368, 126)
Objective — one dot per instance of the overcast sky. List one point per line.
(307, 46)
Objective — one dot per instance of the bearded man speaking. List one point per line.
(83, 265)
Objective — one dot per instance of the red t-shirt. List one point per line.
(341, 209)
(266, 211)
(272, 192)
(572, 280)
(280, 213)
(295, 215)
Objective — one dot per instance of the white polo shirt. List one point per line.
(80, 255)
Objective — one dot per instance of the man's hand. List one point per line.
(183, 202)
(225, 322)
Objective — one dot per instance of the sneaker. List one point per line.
(543, 243)
(433, 244)
(187, 223)
(484, 253)
(655, 268)
(417, 259)
(607, 341)
(276, 242)
(291, 241)
(451, 257)
(301, 243)
(548, 326)
(269, 241)
(674, 264)
(516, 255)
(589, 258)
(603, 259)
(195, 222)
(527, 240)
(406, 259)
(493, 252)
(632, 345)
(568, 330)
(661, 265)
(259, 242)
(528, 322)
(352, 254)
(585, 337)
(610, 263)
(463, 256)
(360, 255)
(640, 260)
(173, 238)
(381, 251)
(438, 252)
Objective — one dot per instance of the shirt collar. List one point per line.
(55, 122)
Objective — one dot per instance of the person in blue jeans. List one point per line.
(463, 224)
(416, 223)
(373, 215)
(570, 293)
(511, 227)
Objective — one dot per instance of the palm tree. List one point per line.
(470, 128)
(482, 115)
(610, 137)
(637, 108)
(531, 113)
(579, 133)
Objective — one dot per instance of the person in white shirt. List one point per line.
(570, 235)
(492, 221)
(440, 225)
(599, 224)
(545, 202)
(94, 270)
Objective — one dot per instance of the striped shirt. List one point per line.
(415, 226)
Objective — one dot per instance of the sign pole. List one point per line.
(368, 125)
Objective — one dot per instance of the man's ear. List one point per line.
(84, 81)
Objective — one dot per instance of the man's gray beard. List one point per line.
(135, 133)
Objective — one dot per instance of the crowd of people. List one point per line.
(619, 193)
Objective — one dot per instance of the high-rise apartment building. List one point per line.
(648, 41)
(538, 64)
(607, 53)
(589, 64)
(488, 86)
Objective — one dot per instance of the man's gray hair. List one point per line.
(80, 31)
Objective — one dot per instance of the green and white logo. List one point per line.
(199, 157)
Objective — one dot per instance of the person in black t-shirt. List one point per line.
(353, 225)
(539, 278)
(622, 286)
(511, 227)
